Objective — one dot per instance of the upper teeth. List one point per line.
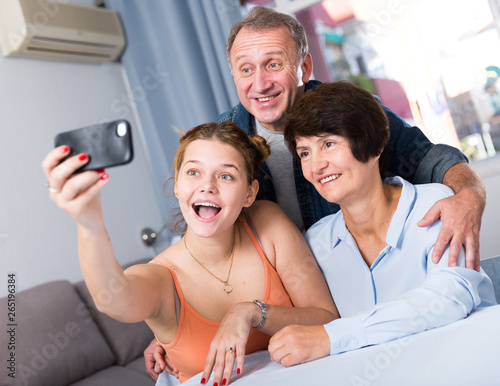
(329, 178)
(206, 204)
(265, 99)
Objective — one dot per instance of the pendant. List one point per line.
(228, 288)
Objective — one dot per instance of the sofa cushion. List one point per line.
(56, 340)
(117, 375)
(138, 364)
(127, 340)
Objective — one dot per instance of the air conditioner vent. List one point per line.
(51, 30)
(67, 52)
(44, 40)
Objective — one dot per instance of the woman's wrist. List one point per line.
(263, 314)
(249, 311)
(91, 232)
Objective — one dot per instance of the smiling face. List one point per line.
(212, 190)
(328, 163)
(269, 76)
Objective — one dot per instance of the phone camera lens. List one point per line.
(121, 129)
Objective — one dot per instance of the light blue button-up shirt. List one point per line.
(403, 292)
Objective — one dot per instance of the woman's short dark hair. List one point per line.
(344, 109)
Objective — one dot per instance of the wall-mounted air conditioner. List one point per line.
(49, 29)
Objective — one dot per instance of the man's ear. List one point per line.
(307, 68)
(251, 194)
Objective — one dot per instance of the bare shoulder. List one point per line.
(270, 221)
(282, 242)
(267, 211)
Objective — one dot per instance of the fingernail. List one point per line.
(224, 382)
(64, 149)
(238, 371)
(99, 171)
(216, 384)
(104, 177)
(203, 380)
(83, 157)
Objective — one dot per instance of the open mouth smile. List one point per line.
(329, 178)
(206, 210)
(267, 99)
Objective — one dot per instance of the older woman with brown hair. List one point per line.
(374, 256)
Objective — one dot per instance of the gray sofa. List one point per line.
(61, 339)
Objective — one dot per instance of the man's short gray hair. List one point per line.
(263, 19)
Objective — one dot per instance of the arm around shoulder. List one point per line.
(436, 163)
(461, 177)
(460, 214)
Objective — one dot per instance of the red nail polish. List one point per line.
(104, 177)
(83, 157)
(238, 371)
(203, 380)
(224, 381)
(99, 171)
(64, 149)
(216, 384)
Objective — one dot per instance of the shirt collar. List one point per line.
(337, 232)
(329, 231)
(405, 204)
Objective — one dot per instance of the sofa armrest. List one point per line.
(56, 340)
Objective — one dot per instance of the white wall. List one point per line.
(38, 99)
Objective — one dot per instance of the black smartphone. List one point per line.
(106, 144)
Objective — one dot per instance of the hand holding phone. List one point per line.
(106, 144)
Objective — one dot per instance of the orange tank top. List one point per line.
(189, 349)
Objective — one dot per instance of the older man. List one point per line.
(271, 66)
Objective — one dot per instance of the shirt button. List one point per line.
(343, 344)
(354, 342)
